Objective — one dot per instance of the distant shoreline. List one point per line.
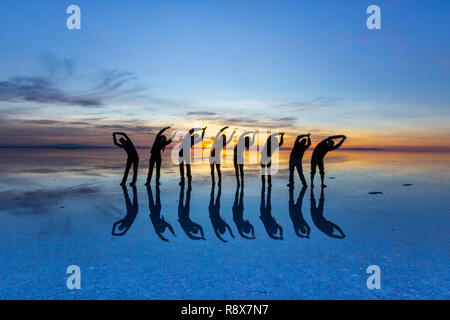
(80, 146)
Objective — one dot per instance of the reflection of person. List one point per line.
(158, 221)
(189, 140)
(243, 144)
(266, 155)
(301, 227)
(244, 227)
(193, 230)
(219, 225)
(319, 220)
(320, 152)
(132, 210)
(270, 224)
(301, 144)
(155, 158)
(133, 158)
(215, 157)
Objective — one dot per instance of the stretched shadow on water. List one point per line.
(301, 227)
(271, 225)
(319, 220)
(132, 210)
(244, 227)
(193, 230)
(219, 225)
(156, 218)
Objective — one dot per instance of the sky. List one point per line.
(295, 66)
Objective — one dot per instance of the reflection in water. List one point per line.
(219, 225)
(268, 220)
(244, 227)
(132, 209)
(301, 228)
(158, 221)
(319, 220)
(193, 230)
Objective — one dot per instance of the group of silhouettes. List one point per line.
(301, 144)
(244, 227)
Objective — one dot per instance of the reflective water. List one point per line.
(59, 208)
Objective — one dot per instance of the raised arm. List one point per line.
(340, 142)
(308, 143)
(231, 138)
(281, 139)
(161, 131)
(224, 128)
(115, 139)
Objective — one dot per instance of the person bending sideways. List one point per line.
(269, 148)
(133, 158)
(301, 144)
(155, 158)
(189, 140)
(243, 144)
(215, 157)
(319, 154)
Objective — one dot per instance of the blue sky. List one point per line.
(311, 65)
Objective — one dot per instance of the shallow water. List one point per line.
(58, 208)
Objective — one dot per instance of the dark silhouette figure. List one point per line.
(193, 230)
(219, 225)
(266, 155)
(156, 218)
(133, 158)
(319, 220)
(243, 144)
(319, 153)
(244, 227)
(301, 144)
(301, 227)
(189, 140)
(215, 157)
(132, 210)
(155, 155)
(271, 225)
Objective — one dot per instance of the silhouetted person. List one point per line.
(156, 218)
(244, 227)
(215, 157)
(319, 153)
(189, 140)
(301, 144)
(320, 222)
(132, 210)
(301, 227)
(243, 144)
(133, 158)
(219, 225)
(155, 157)
(193, 230)
(266, 155)
(270, 224)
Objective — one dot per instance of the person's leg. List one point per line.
(322, 173)
(181, 172)
(300, 172)
(263, 173)
(241, 168)
(125, 174)
(212, 173)
(219, 173)
(151, 164)
(188, 172)
(269, 174)
(158, 171)
(135, 172)
(291, 173)
(236, 172)
(313, 172)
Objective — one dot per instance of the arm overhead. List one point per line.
(340, 142)
(231, 138)
(162, 131)
(224, 128)
(115, 140)
(308, 144)
(281, 139)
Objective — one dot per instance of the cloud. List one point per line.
(46, 89)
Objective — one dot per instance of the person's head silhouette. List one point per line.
(330, 143)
